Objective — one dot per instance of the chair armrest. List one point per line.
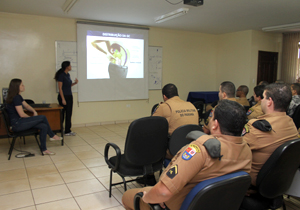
(136, 203)
(118, 154)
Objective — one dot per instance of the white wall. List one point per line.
(27, 51)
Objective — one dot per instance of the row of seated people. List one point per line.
(230, 146)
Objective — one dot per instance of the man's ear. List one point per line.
(270, 102)
(165, 98)
(215, 127)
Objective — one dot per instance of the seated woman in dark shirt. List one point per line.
(20, 121)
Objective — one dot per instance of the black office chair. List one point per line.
(200, 106)
(296, 117)
(246, 108)
(274, 178)
(221, 193)
(178, 139)
(15, 135)
(29, 101)
(145, 148)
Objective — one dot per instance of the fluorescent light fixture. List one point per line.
(171, 15)
(68, 5)
(282, 27)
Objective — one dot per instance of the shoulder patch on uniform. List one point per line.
(173, 171)
(245, 130)
(249, 111)
(190, 152)
(213, 147)
(262, 125)
(154, 110)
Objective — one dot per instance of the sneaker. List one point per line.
(52, 139)
(70, 134)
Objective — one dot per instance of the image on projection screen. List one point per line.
(113, 55)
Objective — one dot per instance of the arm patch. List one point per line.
(262, 125)
(213, 147)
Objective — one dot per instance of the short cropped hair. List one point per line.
(259, 90)
(170, 90)
(228, 88)
(296, 86)
(281, 94)
(231, 117)
(244, 89)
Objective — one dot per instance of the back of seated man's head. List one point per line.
(281, 95)
(231, 117)
(242, 91)
(170, 90)
(263, 83)
(295, 87)
(259, 90)
(228, 88)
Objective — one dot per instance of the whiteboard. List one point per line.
(155, 68)
(67, 51)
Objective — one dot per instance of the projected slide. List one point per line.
(112, 62)
(114, 55)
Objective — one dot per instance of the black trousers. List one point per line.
(67, 111)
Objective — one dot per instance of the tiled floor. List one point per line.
(75, 178)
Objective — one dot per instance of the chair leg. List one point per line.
(11, 147)
(37, 141)
(283, 205)
(110, 182)
(125, 187)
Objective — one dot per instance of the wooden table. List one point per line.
(52, 113)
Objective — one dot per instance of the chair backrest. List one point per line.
(178, 137)
(146, 141)
(199, 105)
(296, 117)
(29, 101)
(277, 174)
(224, 192)
(6, 121)
(246, 108)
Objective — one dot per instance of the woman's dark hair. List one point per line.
(13, 90)
(64, 65)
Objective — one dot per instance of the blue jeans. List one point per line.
(40, 122)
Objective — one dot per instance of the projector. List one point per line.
(195, 3)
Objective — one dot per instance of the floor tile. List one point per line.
(12, 175)
(45, 181)
(38, 161)
(100, 171)
(49, 194)
(94, 162)
(78, 175)
(70, 166)
(14, 186)
(41, 170)
(88, 154)
(67, 204)
(85, 187)
(11, 166)
(95, 201)
(16, 200)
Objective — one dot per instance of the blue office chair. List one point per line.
(224, 192)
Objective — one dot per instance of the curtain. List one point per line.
(289, 64)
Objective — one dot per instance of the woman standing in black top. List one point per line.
(65, 97)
